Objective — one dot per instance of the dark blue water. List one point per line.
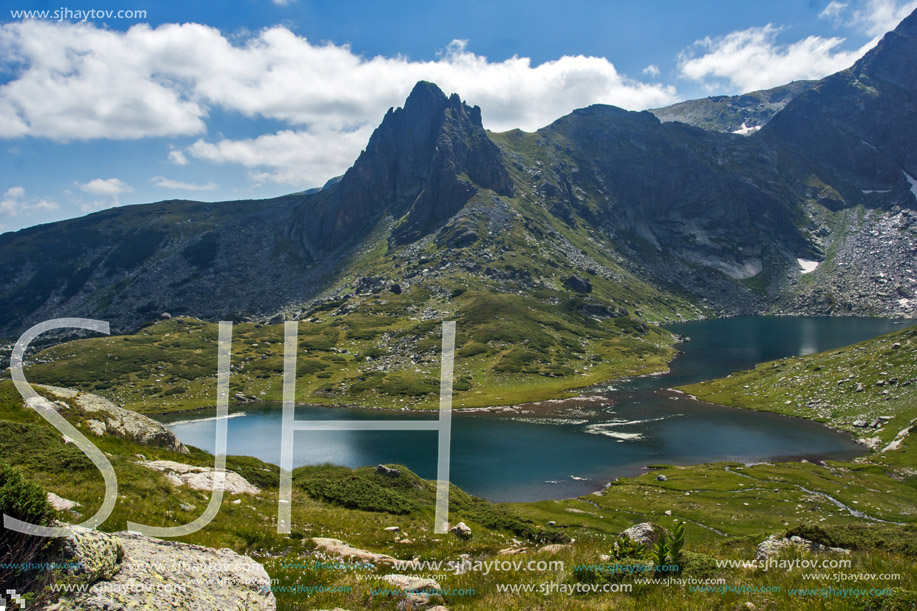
(563, 449)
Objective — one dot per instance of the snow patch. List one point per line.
(913, 183)
(745, 129)
(868, 191)
(807, 266)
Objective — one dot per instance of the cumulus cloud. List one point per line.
(178, 158)
(873, 17)
(753, 59)
(168, 183)
(107, 188)
(79, 81)
(834, 10)
(288, 157)
(651, 70)
(14, 203)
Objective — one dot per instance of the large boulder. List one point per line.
(461, 530)
(596, 309)
(106, 417)
(775, 544)
(129, 571)
(337, 547)
(578, 284)
(646, 533)
(417, 590)
(200, 478)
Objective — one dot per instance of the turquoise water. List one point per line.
(568, 448)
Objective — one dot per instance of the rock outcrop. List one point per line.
(106, 417)
(200, 478)
(129, 571)
(645, 533)
(775, 544)
(424, 162)
(337, 547)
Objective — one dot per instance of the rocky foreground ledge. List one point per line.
(101, 416)
(125, 570)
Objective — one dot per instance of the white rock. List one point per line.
(200, 478)
(60, 503)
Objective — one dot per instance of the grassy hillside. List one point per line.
(743, 503)
(868, 389)
(509, 349)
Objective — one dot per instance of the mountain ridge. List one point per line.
(695, 221)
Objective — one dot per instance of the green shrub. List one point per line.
(23, 500)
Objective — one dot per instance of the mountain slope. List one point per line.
(583, 233)
(744, 113)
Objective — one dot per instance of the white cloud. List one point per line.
(14, 203)
(14, 193)
(834, 10)
(105, 186)
(873, 17)
(753, 59)
(178, 158)
(75, 81)
(283, 2)
(80, 81)
(651, 70)
(290, 157)
(108, 188)
(168, 183)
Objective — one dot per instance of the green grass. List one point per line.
(852, 385)
(357, 505)
(510, 349)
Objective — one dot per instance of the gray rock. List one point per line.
(120, 422)
(461, 530)
(646, 533)
(97, 427)
(387, 471)
(774, 544)
(339, 548)
(200, 478)
(661, 478)
(129, 571)
(417, 589)
(60, 503)
(578, 284)
(599, 310)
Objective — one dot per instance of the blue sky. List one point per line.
(216, 100)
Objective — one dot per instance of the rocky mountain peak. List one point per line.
(884, 62)
(421, 165)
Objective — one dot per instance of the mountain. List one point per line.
(422, 165)
(742, 114)
(602, 215)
